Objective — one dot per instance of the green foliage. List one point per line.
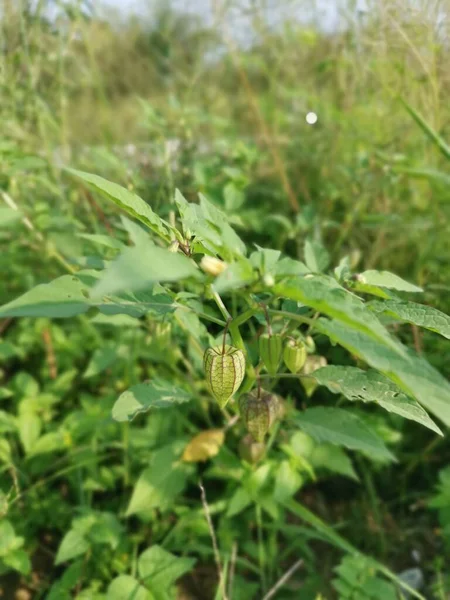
(113, 287)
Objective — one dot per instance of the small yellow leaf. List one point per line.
(204, 445)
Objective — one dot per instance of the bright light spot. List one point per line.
(311, 118)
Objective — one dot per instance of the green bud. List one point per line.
(251, 451)
(259, 411)
(224, 370)
(294, 355)
(270, 351)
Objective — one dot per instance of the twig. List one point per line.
(271, 593)
(213, 539)
(51, 358)
(232, 569)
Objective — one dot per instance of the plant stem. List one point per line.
(261, 550)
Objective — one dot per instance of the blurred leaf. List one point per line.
(387, 280)
(334, 459)
(126, 200)
(19, 561)
(29, 425)
(238, 502)
(157, 393)
(342, 428)
(203, 446)
(72, 545)
(316, 257)
(287, 481)
(159, 485)
(159, 570)
(236, 275)
(371, 386)
(8, 216)
(141, 266)
(433, 135)
(102, 359)
(63, 297)
(417, 314)
(126, 587)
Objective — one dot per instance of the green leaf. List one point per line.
(265, 259)
(8, 216)
(342, 428)
(126, 587)
(316, 257)
(72, 545)
(159, 485)
(238, 502)
(287, 481)
(327, 456)
(19, 561)
(157, 393)
(235, 276)
(102, 240)
(8, 539)
(387, 280)
(417, 314)
(61, 298)
(429, 131)
(141, 266)
(29, 425)
(230, 239)
(410, 372)
(327, 296)
(287, 267)
(102, 359)
(159, 570)
(128, 201)
(371, 386)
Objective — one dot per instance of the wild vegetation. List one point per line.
(223, 329)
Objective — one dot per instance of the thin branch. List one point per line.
(271, 593)
(213, 539)
(232, 569)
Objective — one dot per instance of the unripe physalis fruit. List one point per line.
(251, 451)
(259, 409)
(224, 369)
(270, 351)
(294, 355)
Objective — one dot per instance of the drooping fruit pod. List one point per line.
(251, 451)
(270, 351)
(224, 369)
(294, 355)
(259, 409)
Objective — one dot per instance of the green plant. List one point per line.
(157, 280)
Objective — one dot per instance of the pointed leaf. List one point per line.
(387, 280)
(141, 266)
(157, 393)
(128, 201)
(417, 314)
(342, 428)
(327, 296)
(371, 386)
(410, 372)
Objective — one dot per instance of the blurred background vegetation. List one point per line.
(215, 100)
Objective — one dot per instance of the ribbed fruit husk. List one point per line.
(224, 371)
(270, 351)
(251, 451)
(294, 355)
(259, 411)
